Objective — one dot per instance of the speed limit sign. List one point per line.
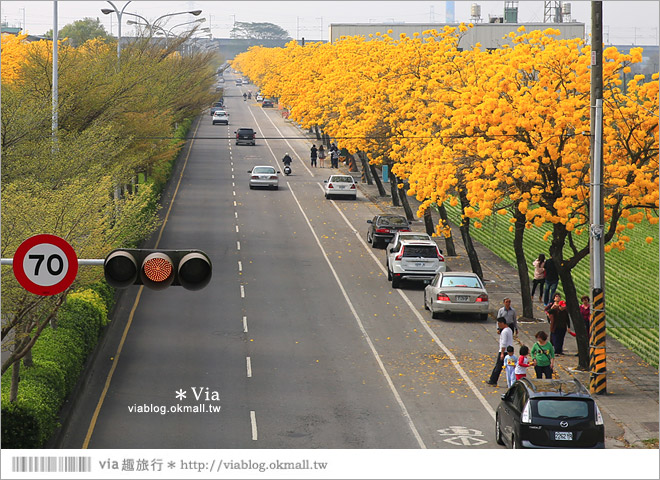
(45, 264)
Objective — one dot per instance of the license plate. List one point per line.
(462, 298)
(563, 435)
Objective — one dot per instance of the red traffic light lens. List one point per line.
(157, 271)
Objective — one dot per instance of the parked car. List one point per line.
(245, 136)
(267, 104)
(411, 259)
(264, 176)
(456, 292)
(340, 185)
(217, 106)
(383, 227)
(548, 413)
(260, 98)
(220, 117)
(239, 82)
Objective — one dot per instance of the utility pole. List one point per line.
(55, 78)
(597, 357)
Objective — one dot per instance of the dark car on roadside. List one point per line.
(245, 136)
(267, 104)
(383, 227)
(548, 413)
(217, 106)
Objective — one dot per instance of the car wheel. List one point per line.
(355, 197)
(389, 275)
(514, 442)
(368, 236)
(498, 431)
(396, 281)
(275, 187)
(426, 307)
(435, 315)
(251, 187)
(327, 196)
(483, 317)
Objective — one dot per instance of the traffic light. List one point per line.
(158, 269)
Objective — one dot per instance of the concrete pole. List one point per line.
(55, 76)
(597, 356)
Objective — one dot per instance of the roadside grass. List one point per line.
(631, 277)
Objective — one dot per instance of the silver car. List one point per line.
(456, 292)
(340, 185)
(264, 176)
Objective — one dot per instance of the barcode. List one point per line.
(51, 464)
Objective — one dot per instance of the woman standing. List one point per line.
(543, 355)
(539, 276)
(321, 154)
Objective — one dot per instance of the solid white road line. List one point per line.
(383, 370)
(248, 363)
(253, 421)
(423, 322)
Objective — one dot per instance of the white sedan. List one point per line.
(264, 176)
(340, 185)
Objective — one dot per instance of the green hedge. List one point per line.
(58, 359)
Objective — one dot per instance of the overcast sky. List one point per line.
(625, 22)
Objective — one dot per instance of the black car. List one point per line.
(246, 136)
(217, 106)
(383, 228)
(267, 104)
(544, 413)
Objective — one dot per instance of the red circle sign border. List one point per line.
(28, 284)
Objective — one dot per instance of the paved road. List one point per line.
(298, 339)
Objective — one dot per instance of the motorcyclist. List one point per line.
(249, 94)
(244, 96)
(286, 160)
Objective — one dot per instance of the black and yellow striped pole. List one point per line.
(597, 357)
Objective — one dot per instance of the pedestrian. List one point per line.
(543, 355)
(510, 365)
(313, 155)
(551, 280)
(560, 323)
(539, 276)
(509, 314)
(334, 156)
(521, 364)
(555, 300)
(321, 154)
(585, 311)
(506, 340)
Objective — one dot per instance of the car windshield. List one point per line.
(219, 112)
(460, 281)
(425, 251)
(559, 409)
(394, 221)
(263, 170)
(414, 236)
(341, 179)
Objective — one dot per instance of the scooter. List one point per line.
(287, 170)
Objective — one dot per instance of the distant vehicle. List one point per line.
(411, 259)
(456, 292)
(264, 176)
(245, 136)
(260, 98)
(220, 117)
(340, 185)
(548, 413)
(217, 106)
(383, 227)
(239, 82)
(267, 104)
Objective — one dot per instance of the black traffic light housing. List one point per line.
(157, 269)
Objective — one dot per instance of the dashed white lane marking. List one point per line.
(240, 266)
(238, 245)
(248, 363)
(253, 421)
(235, 214)
(233, 192)
(421, 320)
(234, 202)
(242, 291)
(367, 338)
(245, 329)
(236, 228)
(232, 183)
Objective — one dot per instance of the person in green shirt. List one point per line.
(543, 353)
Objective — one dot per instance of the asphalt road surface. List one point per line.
(298, 341)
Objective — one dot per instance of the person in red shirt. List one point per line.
(585, 311)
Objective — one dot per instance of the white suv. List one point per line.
(413, 259)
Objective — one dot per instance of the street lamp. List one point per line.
(107, 11)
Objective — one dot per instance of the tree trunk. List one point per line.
(577, 323)
(403, 195)
(15, 377)
(428, 222)
(523, 273)
(316, 131)
(394, 190)
(326, 140)
(366, 173)
(449, 241)
(379, 183)
(467, 239)
(27, 359)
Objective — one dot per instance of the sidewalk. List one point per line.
(630, 408)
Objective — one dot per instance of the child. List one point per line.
(510, 362)
(521, 365)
